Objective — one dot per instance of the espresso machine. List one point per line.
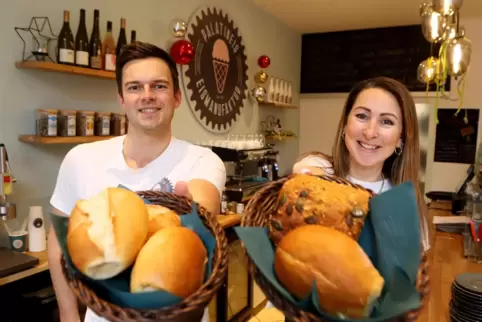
(11, 261)
(247, 170)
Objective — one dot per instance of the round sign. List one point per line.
(215, 81)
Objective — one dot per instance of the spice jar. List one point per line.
(118, 124)
(47, 122)
(85, 123)
(102, 123)
(66, 123)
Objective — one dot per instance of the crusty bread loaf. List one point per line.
(106, 231)
(346, 280)
(307, 199)
(174, 260)
(161, 217)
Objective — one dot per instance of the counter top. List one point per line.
(43, 265)
(446, 261)
(225, 221)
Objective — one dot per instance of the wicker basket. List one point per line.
(257, 214)
(191, 308)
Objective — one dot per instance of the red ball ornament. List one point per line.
(264, 61)
(182, 51)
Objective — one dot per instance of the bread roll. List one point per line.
(161, 217)
(106, 231)
(347, 283)
(174, 260)
(307, 199)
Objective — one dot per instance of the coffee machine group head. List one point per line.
(8, 210)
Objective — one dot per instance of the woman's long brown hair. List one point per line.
(397, 168)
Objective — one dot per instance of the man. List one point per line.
(147, 157)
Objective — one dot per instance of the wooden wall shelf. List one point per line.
(66, 69)
(34, 139)
(278, 105)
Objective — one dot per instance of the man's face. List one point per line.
(148, 94)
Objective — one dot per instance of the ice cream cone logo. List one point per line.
(220, 64)
(216, 80)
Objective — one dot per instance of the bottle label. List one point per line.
(52, 125)
(71, 125)
(82, 58)
(96, 62)
(66, 56)
(110, 62)
(89, 125)
(105, 126)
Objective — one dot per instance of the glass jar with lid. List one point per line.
(67, 120)
(118, 124)
(85, 123)
(47, 122)
(102, 123)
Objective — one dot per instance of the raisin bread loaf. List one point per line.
(307, 199)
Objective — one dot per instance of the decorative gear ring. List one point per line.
(215, 81)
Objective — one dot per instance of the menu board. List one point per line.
(456, 138)
(333, 62)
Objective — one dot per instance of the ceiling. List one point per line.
(309, 16)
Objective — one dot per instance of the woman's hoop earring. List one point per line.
(343, 135)
(399, 150)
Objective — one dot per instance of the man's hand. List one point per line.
(202, 192)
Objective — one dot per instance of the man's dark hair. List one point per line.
(141, 50)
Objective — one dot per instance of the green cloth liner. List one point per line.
(391, 237)
(116, 290)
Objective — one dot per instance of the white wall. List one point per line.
(24, 91)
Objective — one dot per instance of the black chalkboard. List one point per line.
(456, 140)
(333, 62)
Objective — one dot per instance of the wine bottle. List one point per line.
(133, 36)
(108, 49)
(65, 43)
(122, 40)
(82, 43)
(95, 46)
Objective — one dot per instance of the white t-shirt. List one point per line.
(87, 169)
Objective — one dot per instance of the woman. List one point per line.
(377, 142)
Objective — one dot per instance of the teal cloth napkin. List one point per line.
(116, 290)
(391, 237)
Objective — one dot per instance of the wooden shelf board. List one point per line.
(34, 139)
(67, 69)
(279, 105)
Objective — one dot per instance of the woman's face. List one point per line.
(373, 129)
